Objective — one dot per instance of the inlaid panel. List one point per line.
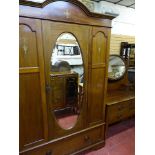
(28, 47)
(99, 48)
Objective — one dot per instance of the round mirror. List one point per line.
(116, 69)
(67, 75)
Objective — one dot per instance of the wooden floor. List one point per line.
(120, 140)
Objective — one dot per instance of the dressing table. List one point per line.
(120, 98)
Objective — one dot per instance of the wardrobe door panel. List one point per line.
(32, 101)
(28, 47)
(99, 48)
(97, 95)
(30, 108)
(51, 33)
(97, 75)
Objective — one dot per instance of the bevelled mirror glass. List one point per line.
(117, 68)
(67, 78)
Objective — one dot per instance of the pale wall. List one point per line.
(123, 26)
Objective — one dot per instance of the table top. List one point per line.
(116, 96)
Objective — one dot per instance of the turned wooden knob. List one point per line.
(49, 153)
(86, 138)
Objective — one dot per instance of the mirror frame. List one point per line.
(83, 64)
(121, 77)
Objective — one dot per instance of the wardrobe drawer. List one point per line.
(71, 144)
(121, 106)
(118, 111)
(118, 117)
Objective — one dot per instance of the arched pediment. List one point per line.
(42, 4)
(72, 11)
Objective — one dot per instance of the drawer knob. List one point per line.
(120, 107)
(86, 138)
(49, 153)
(119, 116)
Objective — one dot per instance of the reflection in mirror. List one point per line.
(67, 74)
(116, 69)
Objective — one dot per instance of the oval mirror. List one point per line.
(67, 74)
(117, 68)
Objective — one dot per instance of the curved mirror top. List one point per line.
(67, 77)
(116, 69)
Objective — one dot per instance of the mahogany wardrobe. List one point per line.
(63, 70)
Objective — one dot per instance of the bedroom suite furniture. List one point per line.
(120, 98)
(41, 24)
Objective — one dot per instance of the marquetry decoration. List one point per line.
(67, 13)
(25, 47)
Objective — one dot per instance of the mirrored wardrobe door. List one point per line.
(66, 76)
(66, 65)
